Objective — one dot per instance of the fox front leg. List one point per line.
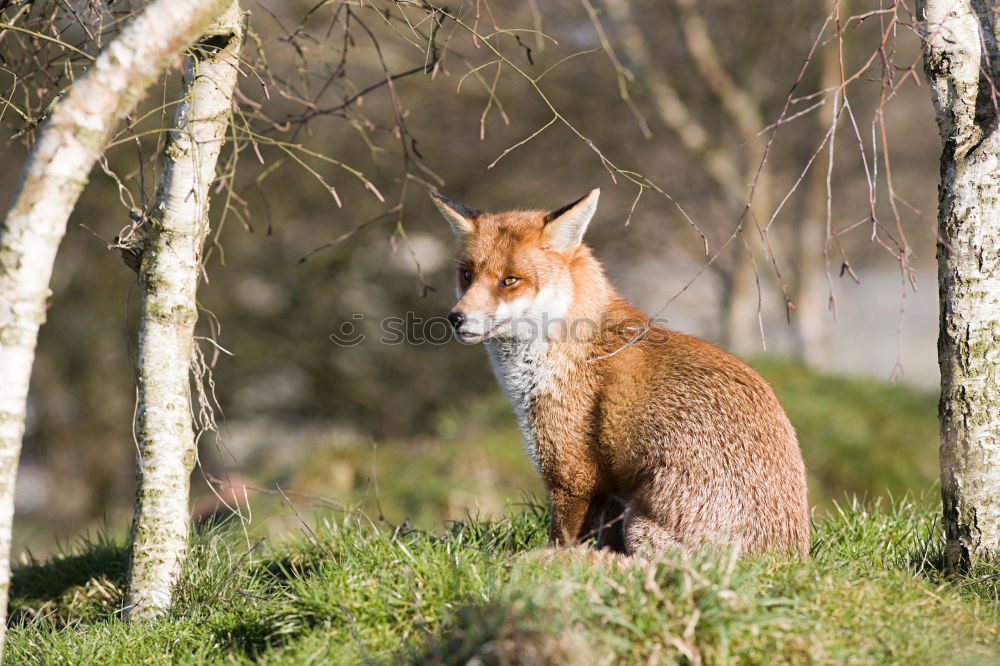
(568, 513)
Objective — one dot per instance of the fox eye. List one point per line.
(509, 280)
(466, 275)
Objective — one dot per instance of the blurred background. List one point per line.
(667, 95)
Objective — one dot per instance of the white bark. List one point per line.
(957, 32)
(168, 275)
(53, 177)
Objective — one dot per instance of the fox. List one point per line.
(644, 437)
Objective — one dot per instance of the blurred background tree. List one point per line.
(303, 245)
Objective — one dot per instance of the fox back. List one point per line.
(644, 437)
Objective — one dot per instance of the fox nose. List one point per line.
(456, 319)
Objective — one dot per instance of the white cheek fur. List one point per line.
(553, 301)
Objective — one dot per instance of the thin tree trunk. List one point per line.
(670, 107)
(741, 297)
(56, 171)
(811, 293)
(743, 334)
(740, 332)
(168, 275)
(968, 272)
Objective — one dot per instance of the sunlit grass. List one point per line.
(353, 591)
(379, 561)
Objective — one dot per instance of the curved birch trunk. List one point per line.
(168, 275)
(962, 41)
(55, 173)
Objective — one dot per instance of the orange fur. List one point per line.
(643, 436)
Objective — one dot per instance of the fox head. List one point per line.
(515, 269)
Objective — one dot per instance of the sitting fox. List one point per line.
(643, 436)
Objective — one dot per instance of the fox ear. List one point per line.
(564, 228)
(459, 216)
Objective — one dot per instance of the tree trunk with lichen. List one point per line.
(962, 66)
(169, 270)
(68, 144)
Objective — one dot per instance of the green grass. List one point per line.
(473, 461)
(352, 591)
(859, 437)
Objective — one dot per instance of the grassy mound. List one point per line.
(356, 590)
(352, 591)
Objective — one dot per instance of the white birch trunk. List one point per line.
(168, 274)
(53, 177)
(957, 32)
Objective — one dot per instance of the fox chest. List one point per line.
(537, 383)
